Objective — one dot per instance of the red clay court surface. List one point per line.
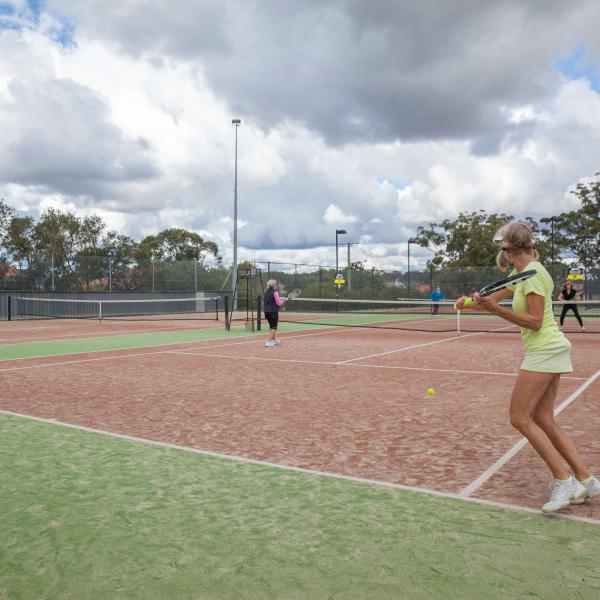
(346, 401)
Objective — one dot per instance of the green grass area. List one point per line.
(86, 516)
(123, 342)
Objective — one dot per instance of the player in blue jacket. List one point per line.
(436, 296)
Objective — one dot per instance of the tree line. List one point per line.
(468, 240)
(76, 253)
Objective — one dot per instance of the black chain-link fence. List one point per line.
(99, 273)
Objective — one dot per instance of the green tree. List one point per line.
(6, 214)
(176, 245)
(464, 242)
(578, 231)
(18, 241)
(61, 239)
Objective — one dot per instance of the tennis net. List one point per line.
(130, 309)
(421, 315)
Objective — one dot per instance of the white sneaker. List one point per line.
(592, 486)
(565, 493)
(276, 341)
(269, 344)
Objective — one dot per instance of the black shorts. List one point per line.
(272, 318)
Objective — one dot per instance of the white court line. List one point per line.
(246, 340)
(404, 368)
(187, 351)
(347, 364)
(100, 335)
(455, 337)
(491, 471)
(283, 467)
(259, 358)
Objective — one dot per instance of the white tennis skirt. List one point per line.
(554, 358)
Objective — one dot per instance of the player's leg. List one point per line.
(563, 313)
(577, 315)
(272, 320)
(527, 393)
(543, 415)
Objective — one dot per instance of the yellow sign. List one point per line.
(339, 281)
(575, 274)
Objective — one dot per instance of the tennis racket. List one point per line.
(293, 294)
(500, 285)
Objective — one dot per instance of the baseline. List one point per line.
(375, 482)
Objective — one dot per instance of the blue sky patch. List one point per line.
(399, 184)
(29, 18)
(578, 66)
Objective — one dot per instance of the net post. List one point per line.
(226, 309)
(9, 308)
(100, 310)
(217, 306)
(258, 309)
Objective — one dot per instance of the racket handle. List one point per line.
(468, 302)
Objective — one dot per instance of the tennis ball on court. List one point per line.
(431, 392)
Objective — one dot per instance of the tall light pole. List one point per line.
(111, 254)
(52, 272)
(349, 263)
(152, 261)
(410, 241)
(236, 123)
(551, 220)
(338, 232)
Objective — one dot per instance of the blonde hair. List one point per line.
(517, 236)
(272, 283)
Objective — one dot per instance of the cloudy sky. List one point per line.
(374, 116)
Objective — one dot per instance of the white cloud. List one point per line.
(335, 216)
(134, 123)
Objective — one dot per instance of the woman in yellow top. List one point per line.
(547, 355)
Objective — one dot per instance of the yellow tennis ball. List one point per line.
(431, 392)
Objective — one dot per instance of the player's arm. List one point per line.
(496, 297)
(532, 319)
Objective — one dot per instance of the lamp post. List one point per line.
(349, 263)
(236, 123)
(551, 220)
(410, 241)
(338, 232)
(111, 254)
(152, 261)
(52, 272)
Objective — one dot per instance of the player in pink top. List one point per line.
(272, 301)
